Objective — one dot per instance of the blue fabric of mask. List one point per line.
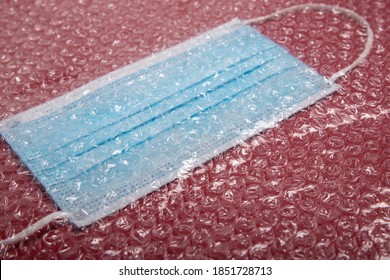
(112, 141)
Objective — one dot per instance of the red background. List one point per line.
(315, 187)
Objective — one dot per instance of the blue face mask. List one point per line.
(104, 145)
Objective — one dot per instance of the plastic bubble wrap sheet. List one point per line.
(315, 187)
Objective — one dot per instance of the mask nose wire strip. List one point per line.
(334, 9)
(370, 38)
(34, 228)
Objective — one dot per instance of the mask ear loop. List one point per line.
(334, 9)
(370, 38)
(34, 228)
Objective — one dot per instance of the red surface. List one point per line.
(316, 186)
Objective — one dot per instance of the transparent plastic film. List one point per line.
(149, 126)
(203, 130)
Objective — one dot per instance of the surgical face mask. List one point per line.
(124, 135)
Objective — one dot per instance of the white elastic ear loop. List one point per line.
(334, 9)
(34, 228)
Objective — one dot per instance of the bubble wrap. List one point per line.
(315, 187)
